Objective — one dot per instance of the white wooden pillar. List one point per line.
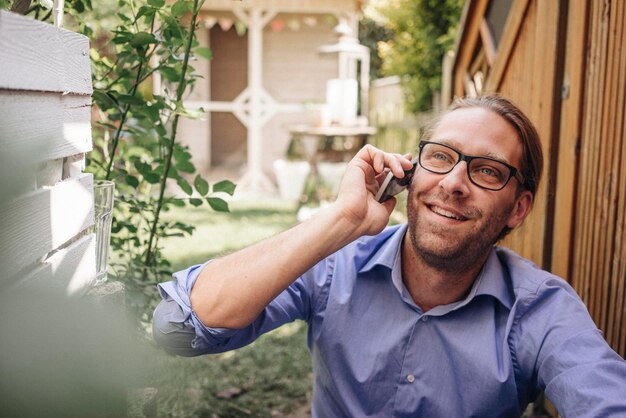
(254, 180)
(255, 77)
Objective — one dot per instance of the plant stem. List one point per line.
(118, 132)
(170, 151)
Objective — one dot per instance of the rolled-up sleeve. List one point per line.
(178, 330)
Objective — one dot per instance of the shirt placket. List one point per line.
(412, 370)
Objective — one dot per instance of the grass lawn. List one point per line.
(269, 378)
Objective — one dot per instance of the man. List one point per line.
(428, 319)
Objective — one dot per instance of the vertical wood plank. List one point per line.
(602, 221)
(615, 285)
(563, 230)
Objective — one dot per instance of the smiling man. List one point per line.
(426, 319)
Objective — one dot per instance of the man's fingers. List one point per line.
(380, 160)
(398, 164)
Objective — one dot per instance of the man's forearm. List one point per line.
(230, 292)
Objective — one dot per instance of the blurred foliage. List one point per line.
(135, 126)
(371, 34)
(65, 357)
(422, 31)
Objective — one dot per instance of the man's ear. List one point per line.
(521, 209)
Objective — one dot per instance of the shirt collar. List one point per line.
(389, 249)
(491, 281)
(494, 280)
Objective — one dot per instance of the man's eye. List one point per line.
(486, 171)
(441, 156)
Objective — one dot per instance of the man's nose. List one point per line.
(456, 182)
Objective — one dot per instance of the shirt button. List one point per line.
(410, 378)
(424, 318)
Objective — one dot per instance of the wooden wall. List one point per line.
(46, 202)
(598, 262)
(563, 62)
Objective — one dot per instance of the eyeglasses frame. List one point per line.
(513, 172)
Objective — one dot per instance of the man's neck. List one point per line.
(430, 286)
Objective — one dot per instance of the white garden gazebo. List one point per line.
(285, 68)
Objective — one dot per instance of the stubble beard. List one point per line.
(449, 253)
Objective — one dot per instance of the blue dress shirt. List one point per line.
(519, 330)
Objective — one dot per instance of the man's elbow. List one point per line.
(176, 338)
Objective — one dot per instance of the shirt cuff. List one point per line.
(176, 321)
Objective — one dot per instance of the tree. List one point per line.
(423, 30)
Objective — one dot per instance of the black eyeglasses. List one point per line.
(485, 172)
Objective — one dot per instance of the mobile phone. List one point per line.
(392, 185)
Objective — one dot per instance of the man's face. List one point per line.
(453, 222)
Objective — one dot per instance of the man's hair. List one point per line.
(532, 156)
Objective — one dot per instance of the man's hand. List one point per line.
(360, 184)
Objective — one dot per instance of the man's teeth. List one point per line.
(445, 213)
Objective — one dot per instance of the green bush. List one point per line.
(423, 30)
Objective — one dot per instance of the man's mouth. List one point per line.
(446, 213)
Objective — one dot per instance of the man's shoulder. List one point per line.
(527, 279)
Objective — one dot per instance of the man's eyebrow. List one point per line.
(452, 143)
(497, 157)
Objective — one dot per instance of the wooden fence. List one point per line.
(563, 62)
(46, 200)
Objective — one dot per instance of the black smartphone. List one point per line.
(392, 185)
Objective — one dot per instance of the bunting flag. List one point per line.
(209, 21)
(294, 24)
(310, 21)
(277, 25)
(225, 23)
(240, 28)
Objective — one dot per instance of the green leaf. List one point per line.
(142, 167)
(225, 186)
(142, 39)
(170, 73)
(131, 100)
(121, 39)
(217, 204)
(180, 8)
(103, 99)
(184, 185)
(78, 6)
(185, 166)
(195, 202)
(177, 202)
(201, 185)
(202, 52)
(152, 178)
(132, 181)
(156, 3)
(181, 154)
(144, 11)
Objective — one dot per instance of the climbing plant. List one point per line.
(142, 53)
